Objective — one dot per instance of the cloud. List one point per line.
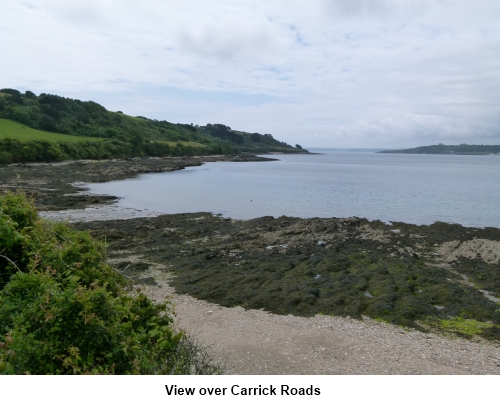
(350, 73)
(80, 13)
(226, 40)
(353, 8)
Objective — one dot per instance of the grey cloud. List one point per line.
(365, 73)
(81, 13)
(356, 7)
(229, 39)
(376, 9)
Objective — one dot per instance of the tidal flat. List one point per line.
(440, 277)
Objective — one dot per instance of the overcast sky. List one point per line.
(332, 73)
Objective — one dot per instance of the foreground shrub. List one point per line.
(63, 310)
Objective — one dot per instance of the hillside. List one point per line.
(14, 130)
(441, 149)
(112, 134)
(250, 142)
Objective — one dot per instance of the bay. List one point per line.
(419, 189)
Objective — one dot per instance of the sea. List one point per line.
(417, 189)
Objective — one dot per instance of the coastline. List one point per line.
(206, 263)
(59, 186)
(155, 251)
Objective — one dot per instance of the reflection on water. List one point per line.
(417, 189)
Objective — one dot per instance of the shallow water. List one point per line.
(418, 189)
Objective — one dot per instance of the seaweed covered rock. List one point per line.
(396, 273)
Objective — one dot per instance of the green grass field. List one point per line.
(14, 130)
(184, 143)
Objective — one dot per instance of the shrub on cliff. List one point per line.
(63, 310)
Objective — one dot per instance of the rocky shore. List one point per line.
(58, 186)
(298, 296)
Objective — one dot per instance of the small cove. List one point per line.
(419, 189)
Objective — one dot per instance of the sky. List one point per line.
(321, 73)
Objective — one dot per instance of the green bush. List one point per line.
(6, 157)
(17, 219)
(63, 310)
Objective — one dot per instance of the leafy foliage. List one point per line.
(63, 310)
(121, 135)
(13, 150)
(254, 143)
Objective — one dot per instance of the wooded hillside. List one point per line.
(108, 134)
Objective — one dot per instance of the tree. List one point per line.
(48, 123)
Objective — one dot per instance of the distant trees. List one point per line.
(255, 137)
(52, 113)
(6, 157)
(47, 123)
(248, 142)
(16, 151)
(441, 149)
(224, 132)
(137, 140)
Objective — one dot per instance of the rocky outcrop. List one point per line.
(484, 249)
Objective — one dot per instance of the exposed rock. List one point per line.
(487, 250)
(116, 234)
(374, 234)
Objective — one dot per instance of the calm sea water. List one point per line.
(419, 189)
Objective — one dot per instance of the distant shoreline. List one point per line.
(440, 149)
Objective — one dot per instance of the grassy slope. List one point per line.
(60, 115)
(14, 130)
(184, 143)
